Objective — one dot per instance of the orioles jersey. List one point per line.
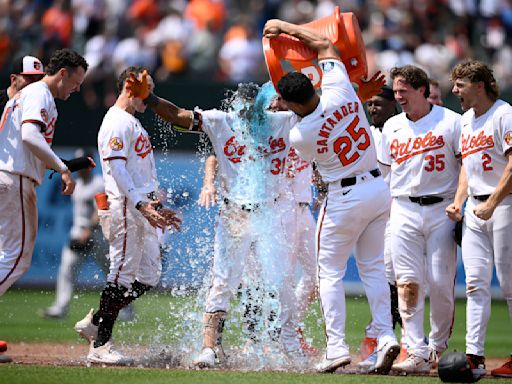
(484, 143)
(249, 175)
(33, 104)
(423, 154)
(122, 136)
(337, 133)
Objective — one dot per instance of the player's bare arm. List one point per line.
(314, 40)
(208, 195)
(454, 210)
(485, 210)
(165, 109)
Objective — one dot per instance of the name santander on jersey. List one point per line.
(423, 154)
(33, 104)
(336, 134)
(484, 143)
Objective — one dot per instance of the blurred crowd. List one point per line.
(220, 40)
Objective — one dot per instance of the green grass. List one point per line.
(163, 319)
(167, 319)
(14, 374)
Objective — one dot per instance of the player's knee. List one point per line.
(408, 294)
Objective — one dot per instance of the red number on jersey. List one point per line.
(486, 161)
(436, 163)
(343, 145)
(278, 166)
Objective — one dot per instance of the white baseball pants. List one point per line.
(18, 227)
(485, 243)
(424, 254)
(353, 218)
(134, 250)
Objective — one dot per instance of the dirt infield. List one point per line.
(75, 355)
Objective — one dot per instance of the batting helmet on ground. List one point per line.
(454, 368)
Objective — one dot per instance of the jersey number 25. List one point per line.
(343, 145)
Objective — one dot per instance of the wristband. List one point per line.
(139, 205)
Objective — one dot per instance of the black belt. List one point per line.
(481, 197)
(349, 181)
(248, 207)
(426, 200)
(303, 204)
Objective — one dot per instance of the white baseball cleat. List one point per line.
(331, 365)
(106, 354)
(385, 357)
(86, 328)
(208, 358)
(413, 364)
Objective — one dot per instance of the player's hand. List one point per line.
(208, 196)
(68, 183)
(453, 212)
(483, 211)
(171, 218)
(272, 28)
(372, 87)
(138, 88)
(158, 216)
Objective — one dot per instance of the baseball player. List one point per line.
(485, 180)
(251, 144)
(380, 108)
(435, 96)
(334, 131)
(131, 183)
(25, 70)
(420, 147)
(26, 133)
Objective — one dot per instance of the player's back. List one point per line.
(337, 133)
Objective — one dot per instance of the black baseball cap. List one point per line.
(27, 65)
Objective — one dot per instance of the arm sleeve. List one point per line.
(34, 140)
(123, 180)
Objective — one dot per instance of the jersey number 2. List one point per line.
(343, 145)
(486, 162)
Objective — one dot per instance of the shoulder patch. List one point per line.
(44, 115)
(327, 66)
(116, 144)
(508, 138)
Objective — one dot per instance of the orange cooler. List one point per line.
(285, 53)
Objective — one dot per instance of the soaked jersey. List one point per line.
(300, 174)
(33, 104)
(122, 136)
(336, 134)
(248, 172)
(484, 143)
(423, 154)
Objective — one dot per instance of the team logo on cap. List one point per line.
(115, 143)
(44, 115)
(37, 65)
(508, 138)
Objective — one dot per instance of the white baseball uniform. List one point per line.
(299, 226)
(20, 172)
(423, 156)
(354, 213)
(134, 245)
(485, 145)
(251, 180)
